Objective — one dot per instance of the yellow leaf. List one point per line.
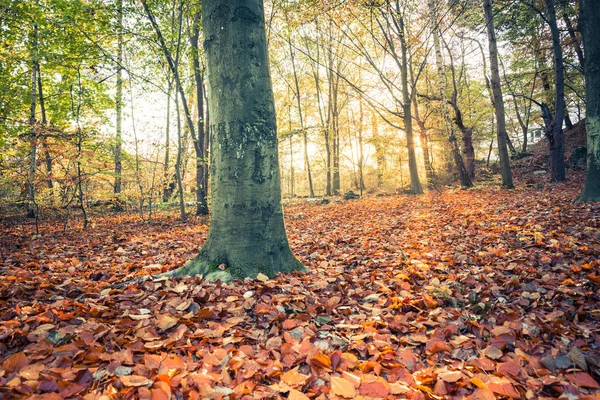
(478, 382)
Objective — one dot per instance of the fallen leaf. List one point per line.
(583, 379)
(342, 387)
(135, 381)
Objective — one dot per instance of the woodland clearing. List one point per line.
(482, 293)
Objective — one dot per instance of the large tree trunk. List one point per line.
(555, 130)
(465, 180)
(501, 133)
(247, 234)
(119, 100)
(590, 15)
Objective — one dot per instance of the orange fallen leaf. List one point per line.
(297, 395)
(450, 376)
(15, 362)
(342, 387)
(294, 378)
(503, 387)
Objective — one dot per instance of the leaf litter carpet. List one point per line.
(481, 294)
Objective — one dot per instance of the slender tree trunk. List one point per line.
(76, 111)
(590, 15)
(465, 180)
(415, 183)
(173, 65)
(138, 176)
(379, 151)
(178, 177)
(555, 130)
(334, 112)
(167, 189)
(201, 164)
(327, 136)
(247, 234)
(32, 207)
(302, 128)
(468, 152)
(424, 136)
(501, 133)
(292, 178)
(361, 152)
(47, 157)
(575, 40)
(568, 122)
(119, 101)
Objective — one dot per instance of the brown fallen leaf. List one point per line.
(493, 353)
(583, 379)
(135, 381)
(166, 321)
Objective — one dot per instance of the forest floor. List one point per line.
(482, 293)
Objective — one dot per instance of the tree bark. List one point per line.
(247, 234)
(501, 133)
(590, 15)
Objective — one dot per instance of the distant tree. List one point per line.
(590, 17)
(554, 129)
(498, 100)
(465, 179)
(247, 232)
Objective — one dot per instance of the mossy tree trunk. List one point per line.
(247, 232)
(590, 15)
